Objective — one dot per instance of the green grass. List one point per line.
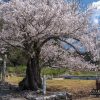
(45, 71)
(53, 71)
(83, 73)
(20, 70)
(17, 70)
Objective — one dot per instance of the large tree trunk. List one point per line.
(32, 81)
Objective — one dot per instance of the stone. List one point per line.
(17, 99)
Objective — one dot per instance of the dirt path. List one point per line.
(89, 98)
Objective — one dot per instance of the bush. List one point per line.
(19, 70)
(53, 71)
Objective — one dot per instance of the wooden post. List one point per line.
(1, 69)
(98, 51)
(44, 84)
(4, 68)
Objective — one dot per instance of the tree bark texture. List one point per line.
(32, 81)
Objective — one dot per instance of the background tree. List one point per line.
(40, 28)
(16, 57)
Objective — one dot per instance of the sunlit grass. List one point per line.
(70, 84)
(59, 84)
(14, 80)
(76, 87)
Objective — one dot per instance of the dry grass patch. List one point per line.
(14, 80)
(89, 98)
(78, 88)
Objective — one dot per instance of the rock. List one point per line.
(17, 99)
(30, 97)
(55, 96)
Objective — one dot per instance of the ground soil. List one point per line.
(89, 98)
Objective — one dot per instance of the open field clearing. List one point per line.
(78, 88)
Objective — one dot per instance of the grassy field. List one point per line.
(78, 88)
(14, 80)
(20, 71)
(89, 98)
(73, 85)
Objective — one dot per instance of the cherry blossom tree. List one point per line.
(41, 28)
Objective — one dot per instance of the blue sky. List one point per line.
(96, 12)
(86, 2)
(95, 17)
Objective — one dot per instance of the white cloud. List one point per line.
(1, 0)
(96, 12)
(96, 5)
(96, 21)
